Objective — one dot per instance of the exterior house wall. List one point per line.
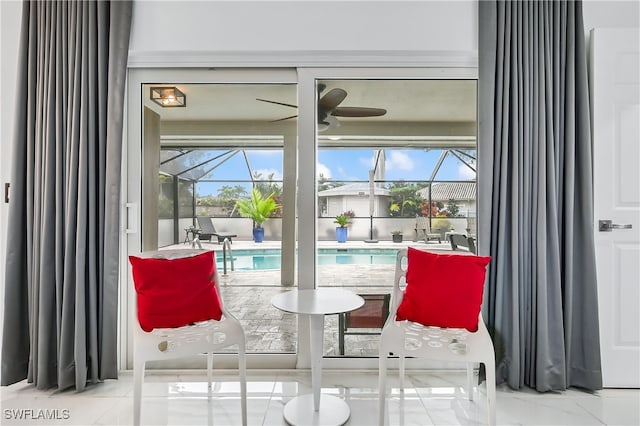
(358, 204)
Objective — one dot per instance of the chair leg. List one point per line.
(401, 370)
(209, 372)
(382, 386)
(341, 333)
(138, 378)
(470, 380)
(242, 370)
(491, 390)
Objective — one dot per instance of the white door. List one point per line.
(615, 62)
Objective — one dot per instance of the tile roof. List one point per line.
(443, 191)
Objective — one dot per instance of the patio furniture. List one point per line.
(423, 226)
(471, 227)
(180, 315)
(432, 292)
(465, 240)
(370, 316)
(207, 230)
(317, 408)
(191, 233)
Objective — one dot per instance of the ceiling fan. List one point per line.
(328, 108)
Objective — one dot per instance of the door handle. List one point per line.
(131, 218)
(608, 226)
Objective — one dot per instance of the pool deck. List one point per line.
(247, 295)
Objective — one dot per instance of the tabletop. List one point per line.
(320, 301)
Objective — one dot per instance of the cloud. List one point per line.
(366, 162)
(465, 173)
(265, 173)
(399, 161)
(323, 170)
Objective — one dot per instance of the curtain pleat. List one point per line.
(62, 251)
(535, 194)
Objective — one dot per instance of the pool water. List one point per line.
(257, 260)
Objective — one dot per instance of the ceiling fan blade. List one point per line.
(332, 99)
(358, 112)
(276, 102)
(282, 119)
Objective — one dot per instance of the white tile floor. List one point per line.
(429, 399)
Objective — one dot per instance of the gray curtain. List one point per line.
(535, 194)
(60, 313)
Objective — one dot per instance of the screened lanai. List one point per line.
(208, 178)
(379, 171)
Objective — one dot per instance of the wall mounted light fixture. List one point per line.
(168, 96)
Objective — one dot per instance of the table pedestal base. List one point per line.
(333, 411)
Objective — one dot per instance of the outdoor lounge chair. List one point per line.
(423, 227)
(465, 240)
(207, 230)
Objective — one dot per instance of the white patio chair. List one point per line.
(423, 227)
(204, 337)
(410, 339)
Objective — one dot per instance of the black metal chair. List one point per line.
(207, 230)
(370, 316)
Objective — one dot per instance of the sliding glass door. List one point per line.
(373, 150)
(193, 165)
(391, 153)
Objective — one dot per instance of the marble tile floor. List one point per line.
(180, 398)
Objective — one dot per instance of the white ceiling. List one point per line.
(404, 100)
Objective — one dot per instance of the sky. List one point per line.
(338, 165)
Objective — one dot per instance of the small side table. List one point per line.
(194, 240)
(306, 409)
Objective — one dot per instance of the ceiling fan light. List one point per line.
(168, 96)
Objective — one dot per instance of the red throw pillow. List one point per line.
(443, 290)
(175, 292)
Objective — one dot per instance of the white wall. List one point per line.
(611, 14)
(304, 25)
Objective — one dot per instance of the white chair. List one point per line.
(409, 339)
(204, 337)
(471, 227)
(423, 227)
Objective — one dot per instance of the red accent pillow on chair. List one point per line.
(443, 290)
(174, 292)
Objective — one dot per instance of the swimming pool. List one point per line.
(265, 259)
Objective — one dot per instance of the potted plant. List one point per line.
(258, 208)
(396, 236)
(343, 220)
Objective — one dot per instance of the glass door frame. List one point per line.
(307, 185)
(307, 151)
(132, 192)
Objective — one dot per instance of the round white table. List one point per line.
(305, 409)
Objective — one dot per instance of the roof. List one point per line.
(444, 191)
(354, 189)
